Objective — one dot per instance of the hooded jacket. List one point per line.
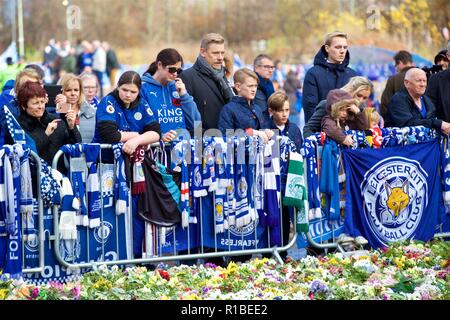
(172, 110)
(322, 78)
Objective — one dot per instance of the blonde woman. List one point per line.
(71, 103)
(358, 87)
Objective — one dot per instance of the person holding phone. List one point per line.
(48, 132)
(166, 94)
(69, 104)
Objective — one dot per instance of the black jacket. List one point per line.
(322, 78)
(403, 112)
(314, 123)
(206, 94)
(438, 91)
(47, 146)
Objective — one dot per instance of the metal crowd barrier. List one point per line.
(189, 254)
(41, 234)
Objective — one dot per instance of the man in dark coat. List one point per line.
(410, 107)
(206, 82)
(264, 67)
(439, 91)
(403, 62)
(330, 71)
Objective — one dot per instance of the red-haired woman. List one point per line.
(48, 132)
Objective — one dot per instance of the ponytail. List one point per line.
(152, 68)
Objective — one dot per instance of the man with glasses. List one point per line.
(264, 68)
(206, 81)
(403, 62)
(330, 71)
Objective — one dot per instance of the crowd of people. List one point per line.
(143, 109)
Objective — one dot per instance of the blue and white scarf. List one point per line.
(309, 153)
(121, 188)
(17, 133)
(69, 207)
(92, 152)
(48, 186)
(78, 182)
(242, 191)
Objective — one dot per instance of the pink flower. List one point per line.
(76, 291)
(35, 293)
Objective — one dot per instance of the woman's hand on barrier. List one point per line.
(348, 141)
(130, 146)
(71, 117)
(60, 98)
(169, 136)
(51, 127)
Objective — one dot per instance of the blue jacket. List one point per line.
(402, 112)
(171, 110)
(322, 78)
(329, 182)
(238, 114)
(292, 131)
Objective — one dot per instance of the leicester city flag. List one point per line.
(393, 194)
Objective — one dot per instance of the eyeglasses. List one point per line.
(266, 66)
(90, 88)
(172, 70)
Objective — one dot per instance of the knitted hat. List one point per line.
(337, 95)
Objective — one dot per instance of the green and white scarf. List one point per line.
(295, 194)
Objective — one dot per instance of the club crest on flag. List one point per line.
(395, 193)
(102, 232)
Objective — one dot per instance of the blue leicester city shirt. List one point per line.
(128, 120)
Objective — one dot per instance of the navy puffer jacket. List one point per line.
(322, 78)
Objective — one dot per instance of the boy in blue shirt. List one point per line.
(279, 110)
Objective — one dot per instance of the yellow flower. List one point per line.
(333, 261)
(3, 294)
(192, 296)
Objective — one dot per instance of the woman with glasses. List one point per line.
(90, 87)
(166, 94)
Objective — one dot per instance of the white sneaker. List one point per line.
(343, 238)
(360, 240)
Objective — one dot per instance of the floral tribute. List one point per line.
(403, 271)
